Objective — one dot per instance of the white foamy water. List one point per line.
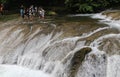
(96, 43)
(18, 71)
(104, 62)
(113, 66)
(107, 20)
(94, 65)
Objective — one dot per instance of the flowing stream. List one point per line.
(88, 47)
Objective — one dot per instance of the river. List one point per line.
(81, 45)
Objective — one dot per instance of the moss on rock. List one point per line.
(51, 13)
(77, 60)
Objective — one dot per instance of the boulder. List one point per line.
(115, 15)
(77, 60)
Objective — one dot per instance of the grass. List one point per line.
(4, 18)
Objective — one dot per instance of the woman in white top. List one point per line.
(41, 13)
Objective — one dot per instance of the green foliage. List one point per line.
(85, 8)
(72, 5)
(3, 1)
(89, 5)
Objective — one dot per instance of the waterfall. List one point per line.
(32, 50)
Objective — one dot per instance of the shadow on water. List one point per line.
(73, 19)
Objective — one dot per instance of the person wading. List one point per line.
(22, 11)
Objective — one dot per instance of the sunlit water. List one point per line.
(30, 53)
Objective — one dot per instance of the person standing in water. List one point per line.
(31, 12)
(22, 11)
(27, 13)
(41, 13)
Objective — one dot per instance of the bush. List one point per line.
(90, 5)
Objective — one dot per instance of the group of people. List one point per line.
(31, 12)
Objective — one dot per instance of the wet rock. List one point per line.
(114, 14)
(77, 60)
(51, 13)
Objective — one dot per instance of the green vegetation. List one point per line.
(90, 5)
(80, 6)
(3, 1)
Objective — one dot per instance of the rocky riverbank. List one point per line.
(114, 14)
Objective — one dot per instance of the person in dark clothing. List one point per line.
(27, 13)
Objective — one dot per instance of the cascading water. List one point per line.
(43, 50)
